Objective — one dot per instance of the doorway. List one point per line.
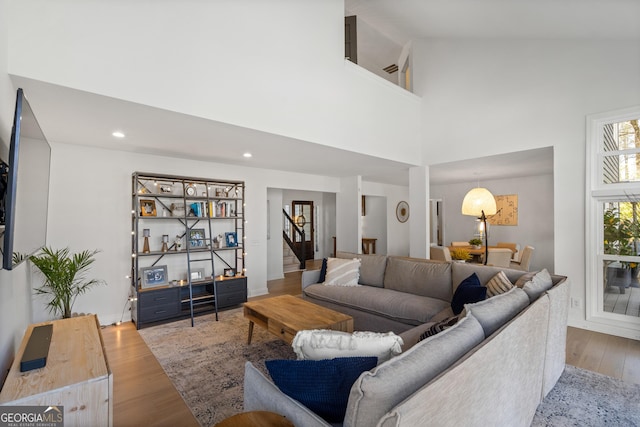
(304, 219)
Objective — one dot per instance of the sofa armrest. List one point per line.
(309, 277)
(260, 394)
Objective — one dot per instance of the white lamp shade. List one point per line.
(478, 200)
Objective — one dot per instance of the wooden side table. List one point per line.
(256, 419)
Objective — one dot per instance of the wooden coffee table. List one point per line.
(285, 315)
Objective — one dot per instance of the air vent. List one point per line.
(391, 68)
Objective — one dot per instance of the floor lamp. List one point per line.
(479, 202)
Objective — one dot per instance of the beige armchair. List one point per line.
(515, 248)
(525, 259)
(499, 257)
(440, 253)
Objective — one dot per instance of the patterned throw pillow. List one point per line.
(318, 344)
(498, 284)
(342, 272)
(439, 327)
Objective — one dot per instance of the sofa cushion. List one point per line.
(321, 344)
(400, 306)
(342, 272)
(428, 279)
(321, 385)
(377, 391)
(539, 283)
(494, 312)
(498, 284)
(469, 291)
(371, 267)
(526, 277)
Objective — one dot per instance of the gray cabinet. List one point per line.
(187, 246)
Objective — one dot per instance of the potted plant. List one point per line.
(65, 277)
(620, 234)
(460, 254)
(476, 243)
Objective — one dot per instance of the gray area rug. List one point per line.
(206, 362)
(587, 399)
(206, 365)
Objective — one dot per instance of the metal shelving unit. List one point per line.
(205, 268)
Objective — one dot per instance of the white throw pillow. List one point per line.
(323, 344)
(342, 272)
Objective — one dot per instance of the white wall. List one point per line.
(535, 215)
(484, 97)
(90, 207)
(374, 223)
(348, 218)
(15, 289)
(397, 233)
(274, 235)
(329, 222)
(275, 66)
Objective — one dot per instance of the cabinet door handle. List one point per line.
(160, 311)
(160, 298)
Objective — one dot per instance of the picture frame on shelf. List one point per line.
(197, 238)
(229, 272)
(151, 277)
(197, 274)
(177, 209)
(148, 207)
(231, 239)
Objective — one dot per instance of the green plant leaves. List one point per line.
(65, 277)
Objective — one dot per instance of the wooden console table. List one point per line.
(76, 376)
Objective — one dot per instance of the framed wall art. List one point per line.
(196, 238)
(147, 207)
(231, 239)
(507, 210)
(153, 276)
(197, 274)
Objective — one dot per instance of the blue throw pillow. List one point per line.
(468, 292)
(323, 386)
(323, 271)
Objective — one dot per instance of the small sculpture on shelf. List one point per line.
(177, 243)
(165, 240)
(146, 233)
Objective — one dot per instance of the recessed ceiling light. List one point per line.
(247, 155)
(118, 134)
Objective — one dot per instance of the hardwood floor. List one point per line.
(144, 395)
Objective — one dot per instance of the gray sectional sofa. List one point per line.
(493, 367)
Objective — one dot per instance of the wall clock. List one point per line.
(190, 189)
(402, 211)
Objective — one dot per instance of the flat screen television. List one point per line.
(26, 195)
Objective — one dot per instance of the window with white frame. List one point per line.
(613, 219)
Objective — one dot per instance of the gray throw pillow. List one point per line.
(538, 284)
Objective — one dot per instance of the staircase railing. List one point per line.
(299, 252)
